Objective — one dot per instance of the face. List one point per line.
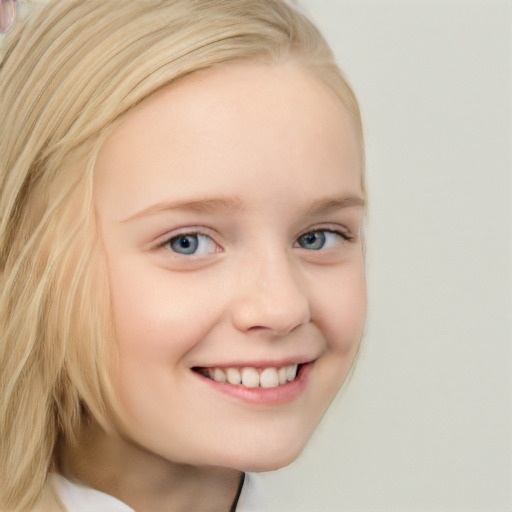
(230, 208)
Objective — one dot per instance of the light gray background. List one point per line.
(425, 422)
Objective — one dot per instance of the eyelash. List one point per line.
(323, 239)
(342, 234)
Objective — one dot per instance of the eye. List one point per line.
(321, 239)
(192, 244)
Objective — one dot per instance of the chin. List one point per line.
(262, 466)
(268, 458)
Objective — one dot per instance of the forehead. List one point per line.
(219, 130)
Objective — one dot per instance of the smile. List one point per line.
(250, 377)
(269, 384)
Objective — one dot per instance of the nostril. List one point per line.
(257, 328)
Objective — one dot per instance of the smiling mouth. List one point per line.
(250, 377)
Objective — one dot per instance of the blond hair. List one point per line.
(69, 74)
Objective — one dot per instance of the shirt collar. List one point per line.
(79, 498)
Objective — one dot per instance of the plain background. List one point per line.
(425, 422)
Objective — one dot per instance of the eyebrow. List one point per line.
(231, 205)
(227, 205)
(334, 204)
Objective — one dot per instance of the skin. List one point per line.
(261, 155)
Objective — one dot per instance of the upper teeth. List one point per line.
(250, 377)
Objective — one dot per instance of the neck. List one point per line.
(143, 480)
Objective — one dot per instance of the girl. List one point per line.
(181, 262)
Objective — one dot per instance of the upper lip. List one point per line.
(267, 363)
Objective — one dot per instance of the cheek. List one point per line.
(340, 315)
(154, 317)
(341, 310)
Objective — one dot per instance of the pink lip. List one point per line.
(264, 396)
(260, 364)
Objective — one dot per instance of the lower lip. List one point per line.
(279, 395)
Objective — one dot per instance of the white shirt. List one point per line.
(78, 498)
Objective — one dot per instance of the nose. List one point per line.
(270, 297)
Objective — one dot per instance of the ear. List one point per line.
(7, 14)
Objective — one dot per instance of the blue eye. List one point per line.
(316, 240)
(192, 244)
(312, 241)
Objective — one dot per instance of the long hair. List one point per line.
(69, 74)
